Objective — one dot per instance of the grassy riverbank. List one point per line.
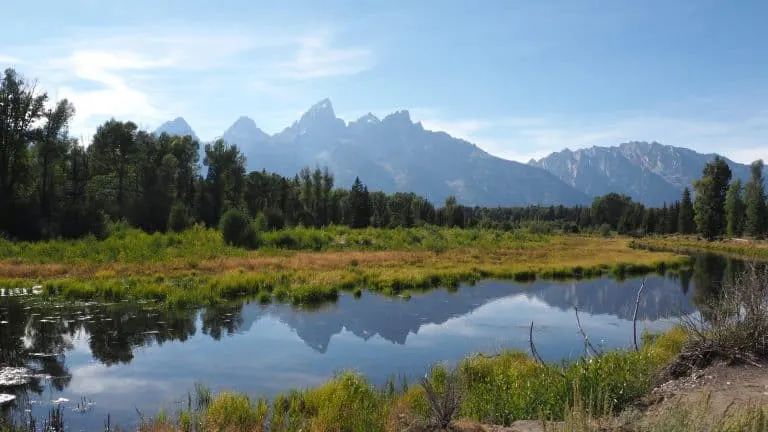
(498, 389)
(196, 267)
(735, 248)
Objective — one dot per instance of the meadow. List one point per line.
(305, 265)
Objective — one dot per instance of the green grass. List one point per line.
(129, 245)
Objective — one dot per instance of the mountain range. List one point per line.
(395, 154)
(651, 173)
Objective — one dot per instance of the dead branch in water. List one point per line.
(634, 316)
(587, 344)
(534, 352)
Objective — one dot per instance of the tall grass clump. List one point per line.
(236, 413)
(512, 386)
(345, 403)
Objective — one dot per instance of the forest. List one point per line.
(52, 186)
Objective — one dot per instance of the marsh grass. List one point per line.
(306, 265)
(310, 277)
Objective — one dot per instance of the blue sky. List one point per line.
(519, 78)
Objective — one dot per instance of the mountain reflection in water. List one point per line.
(130, 355)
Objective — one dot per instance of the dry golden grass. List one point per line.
(561, 253)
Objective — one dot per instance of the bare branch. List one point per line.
(634, 316)
(534, 352)
(587, 344)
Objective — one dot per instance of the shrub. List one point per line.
(539, 227)
(275, 220)
(605, 230)
(237, 230)
(260, 222)
(178, 220)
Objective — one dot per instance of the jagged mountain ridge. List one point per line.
(652, 173)
(395, 154)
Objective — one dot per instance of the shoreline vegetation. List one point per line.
(742, 248)
(308, 265)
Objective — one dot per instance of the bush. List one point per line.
(178, 220)
(274, 218)
(237, 230)
(605, 230)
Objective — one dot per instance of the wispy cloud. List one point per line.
(317, 58)
(150, 74)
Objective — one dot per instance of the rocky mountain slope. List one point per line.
(648, 172)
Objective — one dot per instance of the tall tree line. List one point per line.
(724, 207)
(50, 186)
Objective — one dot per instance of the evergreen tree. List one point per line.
(359, 205)
(756, 214)
(709, 207)
(673, 217)
(734, 209)
(685, 217)
(649, 224)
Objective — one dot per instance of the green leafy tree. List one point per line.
(452, 213)
(224, 184)
(756, 223)
(610, 209)
(178, 219)
(734, 209)
(709, 207)
(21, 108)
(380, 210)
(113, 153)
(51, 150)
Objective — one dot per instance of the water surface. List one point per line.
(132, 356)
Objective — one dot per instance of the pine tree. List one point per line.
(359, 205)
(709, 207)
(754, 197)
(685, 219)
(734, 209)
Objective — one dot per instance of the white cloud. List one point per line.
(152, 74)
(316, 58)
(95, 378)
